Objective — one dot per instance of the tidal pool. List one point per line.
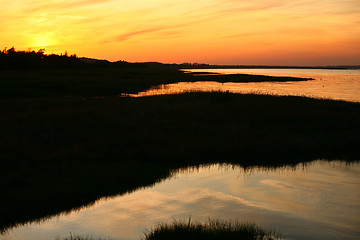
(317, 200)
(327, 83)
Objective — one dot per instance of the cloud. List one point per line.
(126, 36)
(87, 2)
(39, 6)
(177, 20)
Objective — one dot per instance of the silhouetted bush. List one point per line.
(11, 59)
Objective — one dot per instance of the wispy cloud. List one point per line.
(39, 6)
(126, 36)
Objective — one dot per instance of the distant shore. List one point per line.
(30, 60)
(210, 66)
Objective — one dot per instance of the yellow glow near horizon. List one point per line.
(42, 41)
(299, 32)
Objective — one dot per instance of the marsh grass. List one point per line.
(105, 82)
(63, 148)
(84, 149)
(210, 230)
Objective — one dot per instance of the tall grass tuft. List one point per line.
(78, 237)
(212, 229)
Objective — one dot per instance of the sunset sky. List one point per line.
(296, 32)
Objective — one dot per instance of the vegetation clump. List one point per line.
(79, 237)
(30, 59)
(211, 230)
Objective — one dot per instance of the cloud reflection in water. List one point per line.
(320, 200)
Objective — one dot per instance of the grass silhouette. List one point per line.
(211, 230)
(80, 237)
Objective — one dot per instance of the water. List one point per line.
(333, 84)
(320, 200)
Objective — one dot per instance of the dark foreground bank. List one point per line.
(60, 154)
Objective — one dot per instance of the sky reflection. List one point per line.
(333, 84)
(320, 200)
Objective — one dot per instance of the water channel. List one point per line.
(318, 200)
(328, 83)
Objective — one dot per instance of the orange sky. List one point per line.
(296, 32)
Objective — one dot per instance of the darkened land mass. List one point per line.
(211, 66)
(31, 60)
(67, 139)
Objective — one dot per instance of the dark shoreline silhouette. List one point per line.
(59, 154)
(31, 59)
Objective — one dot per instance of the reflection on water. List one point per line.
(320, 200)
(334, 84)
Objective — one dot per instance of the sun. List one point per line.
(42, 41)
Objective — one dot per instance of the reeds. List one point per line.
(212, 229)
(79, 237)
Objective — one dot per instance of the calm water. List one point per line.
(334, 84)
(320, 200)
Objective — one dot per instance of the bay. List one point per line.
(328, 83)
